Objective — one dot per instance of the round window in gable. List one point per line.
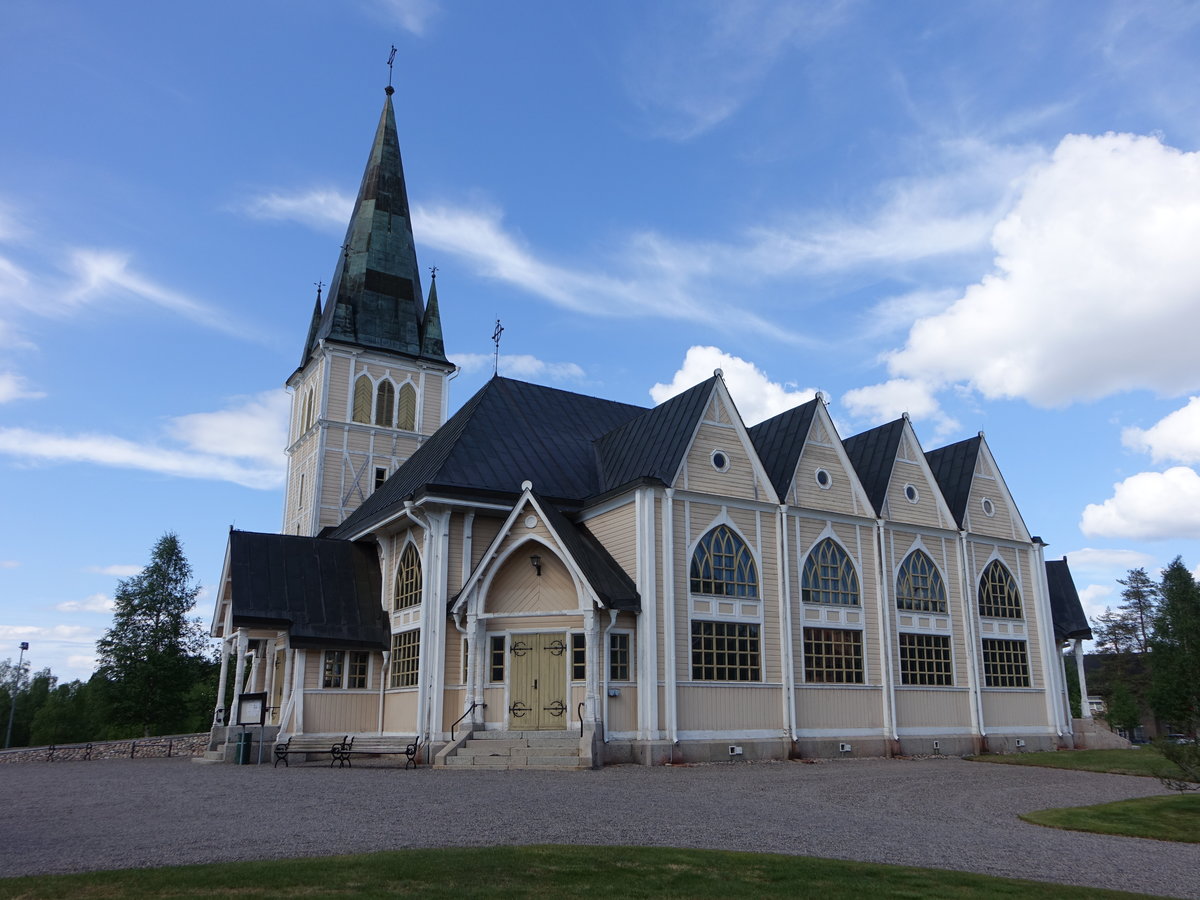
(910, 493)
(720, 461)
(824, 479)
(989, 508)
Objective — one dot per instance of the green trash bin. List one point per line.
(244, 742)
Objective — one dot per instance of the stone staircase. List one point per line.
(518, 750)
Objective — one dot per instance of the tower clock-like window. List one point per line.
(406, 418)
(362, 400)
(385, 403)
(408, 579)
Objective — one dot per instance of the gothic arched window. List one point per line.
(362, 400)
(723, 567)
(385, 403)
(407, 591)
(999, 596)
(406, 419)
(919, 586)
(828, 576)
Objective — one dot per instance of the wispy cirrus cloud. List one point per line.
(16, 387)
(414, 16)
(242, 444)
(117, 571)
(93, 603)
(519, 365)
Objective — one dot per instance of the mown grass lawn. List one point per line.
(1144, 761)
(549, 871)
(1170, 818)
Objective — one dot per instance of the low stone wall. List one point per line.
(139, 748)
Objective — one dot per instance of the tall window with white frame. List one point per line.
(1005, 664)
(407, 590)
(723, 649)
(406, 658)
(919, 585)
(999, 597)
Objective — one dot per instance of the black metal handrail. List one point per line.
(470, 709)
(579, 713)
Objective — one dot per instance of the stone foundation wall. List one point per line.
(140, 748)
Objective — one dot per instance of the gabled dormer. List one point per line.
(896, 476)
(807, 463)
(975, 491)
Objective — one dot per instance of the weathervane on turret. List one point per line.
(389, 90)
(319, 284)
(496, 340)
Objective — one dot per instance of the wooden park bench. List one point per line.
(305, 743)
(375, 745)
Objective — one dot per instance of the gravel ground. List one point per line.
(946, 813)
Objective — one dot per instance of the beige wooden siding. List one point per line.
(713, 708)
(927, 510)
(828, 707)
(496, 711)
(1012, 709)
(622, 710)
(399, 712)
(739, 480)
(716, 411)
(839, 497)
(453, 706)
(341, 711)
(454, 656)
(617, 531)
(1006, 522)
(517, 588)
(917, 708)
(483, 532)
(431, 402)
(338, 406)
(454, 553)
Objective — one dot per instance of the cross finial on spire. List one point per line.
(433, 272)
(496, 340)
(389, 90)
(319, 284)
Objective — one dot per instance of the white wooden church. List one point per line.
(616, 583)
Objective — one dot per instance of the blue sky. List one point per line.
(986, 215)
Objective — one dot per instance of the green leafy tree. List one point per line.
(1129, 628)
(153, 654)
(1121, 709)
(31, 693)
(1175, 650)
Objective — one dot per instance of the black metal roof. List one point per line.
(779, 440)
(873, 455)
(612, 585)
(653, 444)
(374, 299)
(1065, 608)
(953, 468)
(324, 592)
(509, 432)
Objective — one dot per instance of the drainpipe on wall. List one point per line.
(886, 637)
(973, 643)
(671, 678)
(785, 622)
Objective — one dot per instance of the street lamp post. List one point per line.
(12, 704)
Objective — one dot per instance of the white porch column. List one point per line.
(594, 654)
(286, 696)
(473, 656)
(647, 624)
(256, 669)
(298, 689)
(222, 684)
(1085, 708)
(239, 673)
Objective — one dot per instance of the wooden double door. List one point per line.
(537, 687)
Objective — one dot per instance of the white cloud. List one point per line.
(116, 571)
(68, 633)
(690, 69)
(14, 387)
(1095, 598)
(1176, 437)
(228, 445)
(1148, 506)
(879, 403)
(97, 603)
(1095, 272)
(324, 209)
(519, 365)
(1090, 561)
(9, 563)
(756, 396)
(412, 15)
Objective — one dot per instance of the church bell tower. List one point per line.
(372, 380)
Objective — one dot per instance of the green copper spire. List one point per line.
(431, 328)
(374, 300)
